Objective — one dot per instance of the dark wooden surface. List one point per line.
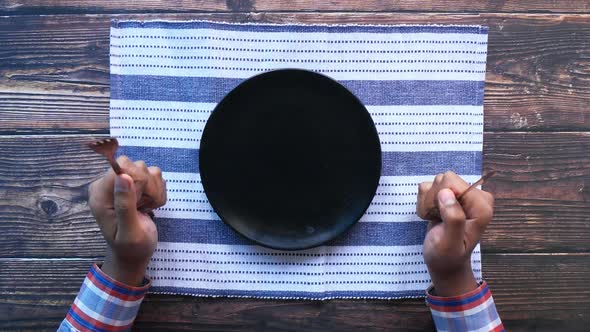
(122, 6)
(54, 92)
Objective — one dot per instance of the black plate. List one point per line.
(290, 159)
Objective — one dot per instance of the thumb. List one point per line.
(453, 217)
(125, 202)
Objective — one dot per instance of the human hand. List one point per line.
(131, 235)
(451, 238)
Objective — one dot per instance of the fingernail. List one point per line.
(121, 185)
(447, 197)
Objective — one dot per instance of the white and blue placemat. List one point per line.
(423, 86)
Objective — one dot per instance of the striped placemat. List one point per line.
(423, 86)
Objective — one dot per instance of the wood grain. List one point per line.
(54, 75)
(120, 6)
(538, 165)
(532, 292)
(541, 189)
(43, 197)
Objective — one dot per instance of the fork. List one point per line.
(108, 147)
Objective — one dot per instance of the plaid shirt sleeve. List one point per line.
(474, 311)
(104, 304)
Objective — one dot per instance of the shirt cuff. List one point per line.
(473, 311)
(105, 304)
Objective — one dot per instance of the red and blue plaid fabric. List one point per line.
(474, 311)
(104, 304)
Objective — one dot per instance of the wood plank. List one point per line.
(57, 112)
(538, 165)
(538, 225)
(54, 75)
(44, 206)
(542, 194)
(120, 6)
(532, 292)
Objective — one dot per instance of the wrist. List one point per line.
(454, 283)
(131, 273)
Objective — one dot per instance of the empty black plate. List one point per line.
(290, 159)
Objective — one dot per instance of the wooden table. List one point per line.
(54, 94)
